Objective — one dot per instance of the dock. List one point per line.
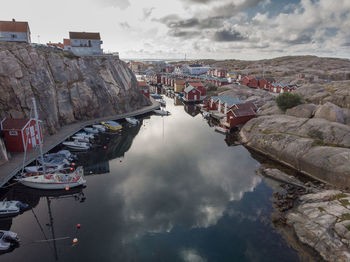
(15, 163)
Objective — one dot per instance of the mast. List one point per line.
(52, 228)
(38, 130)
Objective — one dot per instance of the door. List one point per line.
(33, 141)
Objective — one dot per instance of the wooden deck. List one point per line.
(15, 163)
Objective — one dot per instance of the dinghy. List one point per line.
(132, 120)
(112, 125)
(161, 112)
(76, 145)
(91, 130)
(222, 129)
(8, 239)
(11, 208)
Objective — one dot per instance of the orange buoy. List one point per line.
(67, 188)
(73, 164)
(105, 147)
(75, 240)
(71, 169)
(121, 160)
(78, 225)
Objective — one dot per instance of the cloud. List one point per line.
(228, 36)
(125, 25)
(122, 4)
(147, 12)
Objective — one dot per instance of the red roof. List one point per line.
(243, 112)
(13, 26)
(84, 35)
(60, 45)
(14, 124)
(142, 83)
(196, 84)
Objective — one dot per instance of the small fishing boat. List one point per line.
(206, 115)
(100, 128)
(162, 102)
(11, 208)
(8, 239)
(221, 129)
(91, 130)
(112, 125)
(40, 169)
(132, 120)
(161, 112)
(156, 96)
(56, 180)
(86, 135)
(81, 139)
(76, 145)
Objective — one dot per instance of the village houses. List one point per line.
(13, 31)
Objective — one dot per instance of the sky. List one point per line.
(197, 29)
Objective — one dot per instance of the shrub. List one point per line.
(212, 88)
(288, 100)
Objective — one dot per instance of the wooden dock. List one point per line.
(15, 163)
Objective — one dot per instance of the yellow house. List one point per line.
(179, 86)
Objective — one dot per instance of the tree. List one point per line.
(288, 100)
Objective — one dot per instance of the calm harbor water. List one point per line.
(170, 190)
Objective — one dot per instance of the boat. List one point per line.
(86, 135)
(81, 139)
(11, 208)
(100, 128)
(156, 96)
(76, 145)
(112, 125)
(161, 112)
(91, 130)
(221, 129)
(63, 153)
(40, 169)
(132, 120)
(206, 115)
(8, 239)
(56, 180)
(162, 102)
(53, 161)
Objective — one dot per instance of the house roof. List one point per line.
(228, 99)
(14, 26)
(243, 112)
(14, 124)
(279, 84)
(66, 42)
(142, 83)
(84, 35)
(189, 89)
(196, 84)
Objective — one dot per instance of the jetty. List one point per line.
(15, 163)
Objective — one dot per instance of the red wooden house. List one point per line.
(194, 92)
(238, 117)
(21, 134)
(144, 89)
(250, 81)
(265, 82)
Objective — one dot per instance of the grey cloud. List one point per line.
(198, 1)
(187, 23)
(181, 33)
(228, 36)
(147, 12)
(124, 25)
(122, 4)
(302, 39)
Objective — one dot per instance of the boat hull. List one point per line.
(47, 186)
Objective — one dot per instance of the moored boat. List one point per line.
(100, 128)
(112, 125)
(206, 115)
(76, 145)
(8, 239)
(56, 180)
(81, 139)
(221, 129)
(11, 208)
(132, 120)
(161, 112)
(86, 135)
(91, 130)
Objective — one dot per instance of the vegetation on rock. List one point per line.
(288, 100)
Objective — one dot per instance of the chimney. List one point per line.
(13, 20)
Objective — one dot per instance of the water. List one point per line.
(170, 190)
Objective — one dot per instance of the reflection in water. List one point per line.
(191, 109)
(179, 194)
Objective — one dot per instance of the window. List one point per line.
(13, 133)
(13, 36)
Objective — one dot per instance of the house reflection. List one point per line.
(191, 109)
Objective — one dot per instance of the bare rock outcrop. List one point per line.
(67, 88)
(3, 152)
(330, 112)
(303, 111)
(314, 146)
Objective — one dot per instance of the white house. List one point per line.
(13, 31)
(83, 43)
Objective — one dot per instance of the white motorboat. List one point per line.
(76, 145)
(132, 120)
(83, 134)
(63, 153)
(91, 130)
(8, 239)
(11, 208)
(100, 128)
(221, 129)
(161, 102)
(161, 112)
(81, 139)
(56, 180)
(206, 115)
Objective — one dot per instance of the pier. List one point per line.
(15, 163)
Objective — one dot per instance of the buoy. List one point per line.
(73, 164)
(78, 225)
(75, 240)
(71, 169)
(105, 147)
(67, 188)
(121, 160)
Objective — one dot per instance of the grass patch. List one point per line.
(321, 209)
(344, 202)
(318, 142)
(345, 217)
(339, 196)
(267, 132)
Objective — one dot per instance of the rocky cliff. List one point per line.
(67, 88)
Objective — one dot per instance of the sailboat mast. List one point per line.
(40, 138)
